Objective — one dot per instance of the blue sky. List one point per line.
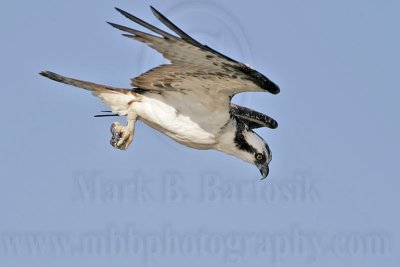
(67, 198)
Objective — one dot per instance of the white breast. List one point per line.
(187, 122)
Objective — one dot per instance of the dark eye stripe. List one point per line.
(240, 141)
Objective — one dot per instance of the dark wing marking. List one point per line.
(185, 36)
(252, 118)
(174, 49)
(173, 77)
(145, 24)
(227, 76)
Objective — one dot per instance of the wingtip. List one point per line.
(123, 12)
(274, 124)
(120, 27)
(46, 73)
(128, 35)
(155, 11)
(112, 24)
(274, 89)
(278, 90)
(51, 75)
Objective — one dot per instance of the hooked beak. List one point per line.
(264, 170)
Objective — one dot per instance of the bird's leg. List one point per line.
(122, 136)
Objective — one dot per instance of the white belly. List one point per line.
(187, 124)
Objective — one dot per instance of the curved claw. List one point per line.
(114, 141)
(121, 136)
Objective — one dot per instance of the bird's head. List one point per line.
(248, 146)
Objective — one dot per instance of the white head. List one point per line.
(240, 141)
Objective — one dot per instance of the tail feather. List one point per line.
(81, 84)
(118, 99)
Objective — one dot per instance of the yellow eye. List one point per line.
(259, 156)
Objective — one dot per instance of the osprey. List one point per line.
(189, 99)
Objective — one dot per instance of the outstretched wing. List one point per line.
(252, 118)
(194, 66)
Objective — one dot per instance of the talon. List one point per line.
(115, 128)
(113, 142)
(121, 136)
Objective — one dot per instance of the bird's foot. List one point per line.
(122, 136)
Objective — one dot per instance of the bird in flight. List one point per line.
(189, 99)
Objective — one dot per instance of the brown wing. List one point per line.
(174, 77)
(194, 66)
